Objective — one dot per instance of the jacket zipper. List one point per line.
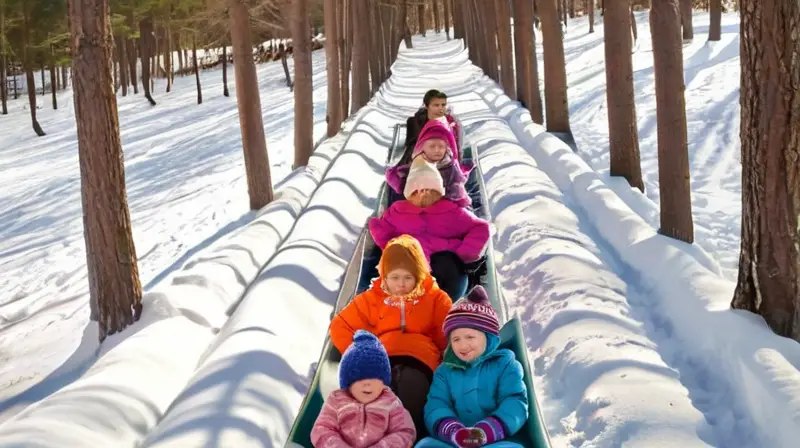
(402, 315)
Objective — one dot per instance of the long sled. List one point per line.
(326, 379)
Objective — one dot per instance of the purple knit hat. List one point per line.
(435, 129)
(473, 311)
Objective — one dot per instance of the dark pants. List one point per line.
(411, 380)
(450, 274)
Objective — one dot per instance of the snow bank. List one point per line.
(593, 361)
(250, 385)
(758, 370)
(139, 371)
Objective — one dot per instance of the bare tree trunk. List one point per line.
(686, 19)
(26, 63)
(421, 19)
(673, 151)
(53, 81)
(196, 70)
(437, 21)
(332, 67)
(347, 51)
(446, 7)
(303, 84)
(248, 99)
(115, 292)
(224, 67)
(633, 25)
(488, 31)
(44, 86)
(525, 54)
(769, 260)
(64, 82)
(123, 64)
(591, 15)
(131, 46)
(145, 48)
(168, 57)
(503, 20)
(404, 28)
(555, 73)
(180, 55)
(3, 60)
(715, 24)
(373, 58)
(622, 132)
(360, 56)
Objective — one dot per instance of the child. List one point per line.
(406, 309)
(435, 108)
(450, 235)
(436, 145)
(364, 412)
(478, 396)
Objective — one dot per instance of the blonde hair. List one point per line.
(425, 198)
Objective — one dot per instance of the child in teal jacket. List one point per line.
(478, 396)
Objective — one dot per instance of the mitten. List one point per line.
(469, 438)
(447, 429)
(492, 430)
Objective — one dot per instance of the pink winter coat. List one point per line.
(344, 422)
(444, 226)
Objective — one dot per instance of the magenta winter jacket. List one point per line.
(344, 422)
(444, 226)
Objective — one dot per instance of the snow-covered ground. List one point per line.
(630, 336)
(712, 115)
(186, 188)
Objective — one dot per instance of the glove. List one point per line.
(447, 429)
(469, 438)
(491, 429)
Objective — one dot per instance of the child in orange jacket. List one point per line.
(405, 309)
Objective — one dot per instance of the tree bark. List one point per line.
(446, 8)
(591, 15)
(3, 63)
(715, 24)
(673, 150)
(360, 56)
(437, 21)
(27, 66)
(145, 49)
(686, 19)
(373, 58)
(53, 81)
(168, 57)
(332, 67)
(123, 64)
(131, 47)
(347, 52)
(623, 137)
(303, 84)
(115, 291)
(224, 67)
(526, 63)
(196, 70)
(248, 99)
(555, 73)
(404, 28)
(423, 28)
(769, 260)
(503, 21)
(180, 55)
(634, 29)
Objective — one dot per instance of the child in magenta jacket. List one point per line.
(450, 235)
(364, 412)
(437, 145)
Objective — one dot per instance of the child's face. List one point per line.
(467, 344)
(437, 108)
(434, 149)
(366, 391)
(400, 282)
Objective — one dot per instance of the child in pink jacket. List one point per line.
(364, 412)
(450, 235)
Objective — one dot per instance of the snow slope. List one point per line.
(712, 115)
(186, 189)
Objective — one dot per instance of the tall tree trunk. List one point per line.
(115, 292)
(114, 68)
(525, 55)
(373, 55)
(224, 67)
(303, 84)
(334, 107)
(64, 82)
(446, 8)
(196, 70)
(44, 85)
(633, 25)
(168, 57)
(178, 48)
(715, 24)
(623, 137)
(686, 19)
(28, 67)
(360, 56)
(145, 49)
(591, 15)
(555, 73)
(3, 63)
(503, 20)
(769, 260)
(673, 150)
(134, 79)
(421, 19)
(53, 81)
(347, 51)
(123, 64)
(404, 28)
(437, 21)
(248, 99)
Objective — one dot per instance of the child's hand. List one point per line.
(469, 438)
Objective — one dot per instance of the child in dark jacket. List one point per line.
(437, 145)
(478, 396)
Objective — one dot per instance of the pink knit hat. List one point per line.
(436, 129)
(423, 175)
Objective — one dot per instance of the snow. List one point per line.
(630, 335)
(186, 190)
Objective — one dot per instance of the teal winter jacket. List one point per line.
(491, 385)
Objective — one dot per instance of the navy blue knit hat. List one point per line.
(365, 359)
